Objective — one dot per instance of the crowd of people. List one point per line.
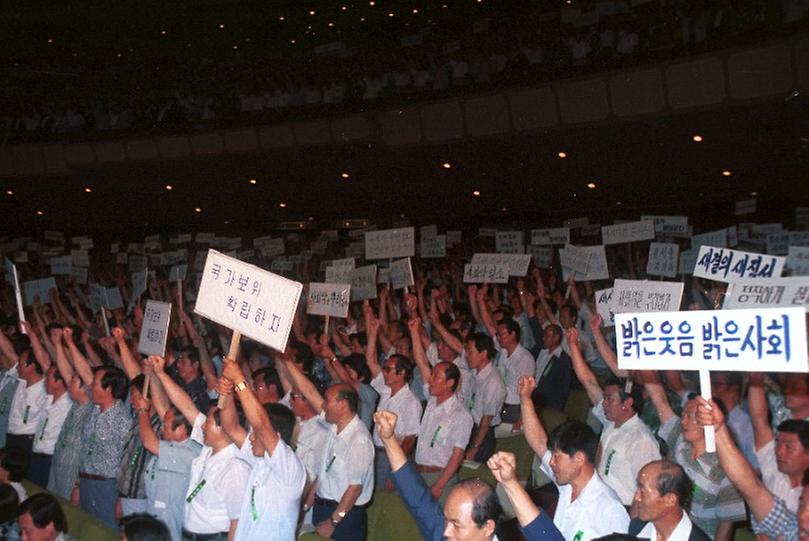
(146, 94)
(207, 443)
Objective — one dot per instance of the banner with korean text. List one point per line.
(155, 329)
(328, 299)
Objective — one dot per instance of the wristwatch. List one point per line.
(340, 516)
(241, 386)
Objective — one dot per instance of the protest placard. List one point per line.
(14, 280)
(726, 265)
(328, 299)
(453, 237)
(752, 340)
(272, 248)
(137, 262)
(112, 298)
(779, 243)
(662, 260)
(79, 275)
(62, 266)
(557, 235)
(177, 273)
(154, 332)
(517, 263)
(671, 226)
(281, 265)
(38, 288)
(509, 242)
(80, 258)
(766, 293)
(542, 255)
(575, 258)
(745, 207)
(434, 247)
(628, 232)
(596, 269)
(247, 299)
(798, 260)
(390, 243)
(427, 232)
(718, 238)
(603, 298)
(383, 276)
(363, 283)
(478, 273)
(645, 296)
(401, 273)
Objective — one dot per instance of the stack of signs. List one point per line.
(596, 268)
(154, 332)
(247, 299)
(328, 299)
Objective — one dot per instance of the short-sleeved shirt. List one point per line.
(166, 479)
(596, 511)
(217, 487)
(348, 460)
(776, 482)
(780, 523)
(67, 451)
(134, 461)
(27, 408)
(624, 451)
(488, 394)
(404, 404)
(103, 438)
(51, 423)
(714, 498)
(444, 427)
(511, 367)
(313, 433)
(272, 503)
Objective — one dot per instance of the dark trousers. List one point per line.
(351, 528)
(510, 413)
(40, 469)
(97, 497)
(487, 446)
(26, 443)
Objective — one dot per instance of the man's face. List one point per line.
(796, 392)
(210, 429)
(52, 385)
(402, 346)
(332, 406)
(26, 367)
(99, 394)
(458, 523)
(720, 388)
(474, 357)
(445, 353)
(550, 339)
(612, 403)
(266, 394)
(30, 532)
(792, 458)
(438, 380)
(566, 318)
(692, 432)
(391, 375)
(187, 368)
(651, 505)
(298, 404)
(565, 467)
(505, 337)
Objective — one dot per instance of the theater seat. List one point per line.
(80, 524)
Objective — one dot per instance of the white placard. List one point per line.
(433, 247)
(603, 298)
(79, 275)
(38, 288)
(328, 299)
(139, 283)
(338, 275)
(662, 260)
(645, 296)
(628, 232)
(672, 226)
(80, 258)
(733, 238)
(54, 236)
(517, 263)
(390, 243)
(762, 230)
(177, 273)
(363, 283)
(258, 242)
(21, 257)
(575, 258)
(62, 266)
(281, 265)
(487, 232)
(355, 250)
(542, 255)
(596, 270)
(204, 238)
(558, 235)
(479, 273)
(760, 340)
(798, 260)
(401, 273)
(779, 243)
(726, 265)
(113, 300)
(155, 330)
(768, 293)
(273, 248)
(98, 297)
(427, 232)
(717, 238)
(745, 207)
(137, 262)
(509, 242)
(14, 280)
(453, 237)
(245, 298)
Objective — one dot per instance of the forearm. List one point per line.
(7, 348)
(741, 474)
(585, 374)
(454, 464)
(395, 453)
(757, 405)
(608, 354)
(480, 433)
(534, 432)
(62, 364)
(306, 387)
(178, 397)
(451, 340)
(348, 499)
(147, 434)
(80, 364)
(258, 418)
(521, 502)
(130, 365)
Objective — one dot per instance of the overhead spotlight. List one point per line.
(197, 209)
(476, 193)
(9, 192)
(562, 154)
(344, 175)
(697, 138)
(726, 173)
(446, 165)
(282, 205)
(312, 12)
(169, 187)
(253, 181)
(591, 185)
(221, 26)
(753, 194)
(40, 213)
(88, 189)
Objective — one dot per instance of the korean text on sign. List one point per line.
(245, 298)
(771, 339)
(154, 332)
(768, 293)
(390, 243)
(479, 273)
(727, 265)
(328, 299)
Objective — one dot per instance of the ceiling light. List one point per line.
(415, 11)
(10, 192)
(162, 32)
(197, 209)
(169, 187)
(618, 203)
(753, 194)
(331, 24)
(345, 175)
(221, 26)
(447, 165)
(591, 185)
(372, 3)
(726, 173)
(292, 41)
(697, 138)
(390, 14)
(476, 193)
(88, 189)
(281, 18)
(282, 205)
(50, 41)
(344, 8)
(562, 155)
(40, 213)
(504, 209)
(253, 181)
(312, 12)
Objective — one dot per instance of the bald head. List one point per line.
(472, 511)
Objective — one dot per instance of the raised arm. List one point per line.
(658, 396)
(80, 363)
(385, 422)
(306, 387)
(174, 392)
(583, 372)
(604, 348)
(130, 365)
(574, 291)
(230, 419)
(485, 314)
(534, 431)
(503, 466)
(147, 434)
(7, 348)
(372, 327)
(419, 355)
(62, 364)
(40, 354)
(757, 406)
(451, 340)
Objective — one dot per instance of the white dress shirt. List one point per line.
(313, 434)
(511, 367)
(488, 394)
(464, 390)
(27, 408)
(444, 427)
(543, 359)
(348, 460)
(680, 533)
(404, 404)
(51, 423)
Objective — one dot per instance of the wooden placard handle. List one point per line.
(232, 354)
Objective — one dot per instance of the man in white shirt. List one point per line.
(488, 394)
(662, 495)
(28, 405)
(57, 406)
(587, 508)
(515, 361)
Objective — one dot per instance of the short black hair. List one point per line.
(32, 360)
(636, 394)
(180, 420)
(451, 372)
(282, 420)
(403, 364)
(798, 427)
(573, 437)
(556, 330)
(486, 504)
(16, 462)
(192, 352)
(304, 356)
(138, 382)
(511, 326)
(144, 527)
(9, 503)
(574, 313)
(672, 479)
(269, 376)
(360, 337)
(115, 380)
(45, 509)
(483, 342)
(358, 363)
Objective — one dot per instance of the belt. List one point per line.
(204, 536)
(429, 469)
(94, 477)
(324, 501)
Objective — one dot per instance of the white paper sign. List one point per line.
(113, 299)
(688, 260)
(62, 266)
(38, 288)
(717, 238)
(558, 235)
(137, 262)
(245, 298)
(79, 275)
(672, 226)
(597, 268)
(281, 265)
(517, 263)
(646, 296)
(139, 283)
(479, 273)
(155, 330)
(328, 299)
(390, 243)
(273, 248)
(575, 258)
(779, 243)
(401, 273)
(509, 242)
(628, 232)
(177, 273)
(662, 260)
(603, 299)
(542, 255)
(363, 283)
(427, 231)
(338, 275)
(434, 247)
(80, 258)
(760, 340)
(726, 265)
(768, 293)
(798, 260)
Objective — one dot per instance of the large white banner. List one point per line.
(517, 263)
(646, 296)
(479, 273)
(768, 293)
(155, 329)
(760, 340)
(363, 283)
(390, 243)
(401, 273)
(556, 235)
(245, 298)
(328, 299)
(726, 265)
(628, 232)
(662, 260)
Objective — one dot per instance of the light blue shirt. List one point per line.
(166, 479)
